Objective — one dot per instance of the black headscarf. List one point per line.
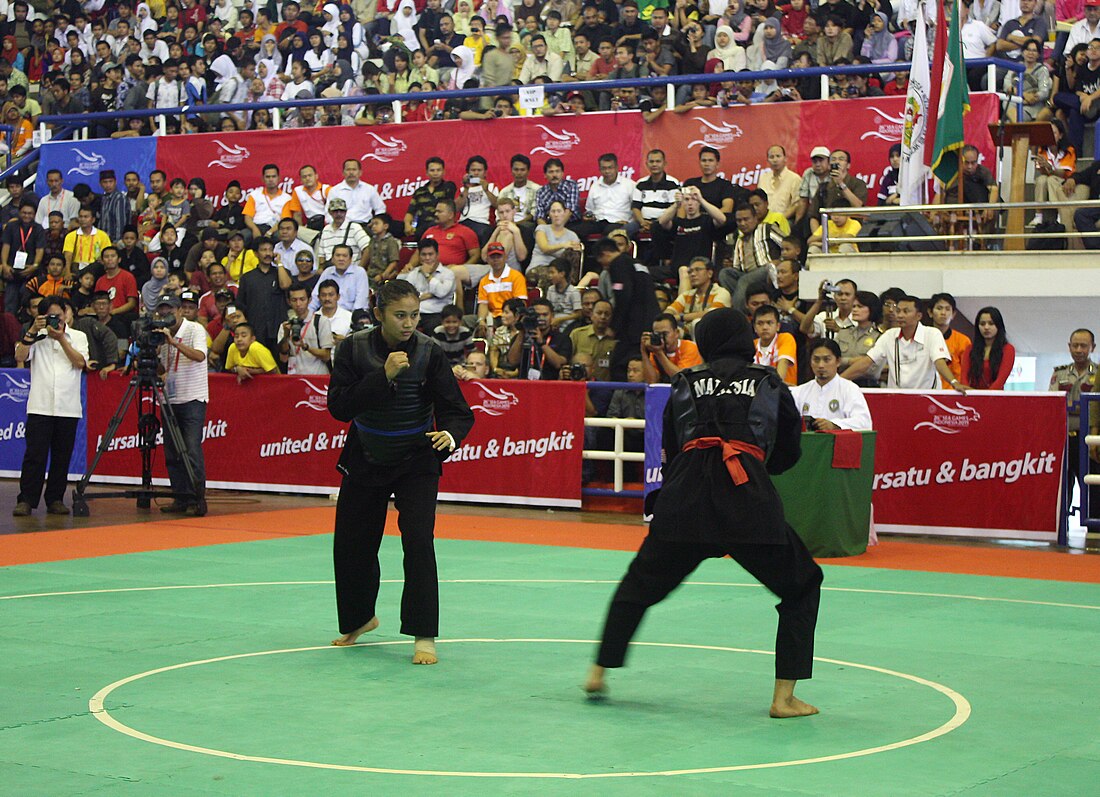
(725, 334)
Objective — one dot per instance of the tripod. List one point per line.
(148, 387)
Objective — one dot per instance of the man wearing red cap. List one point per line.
(1085, 30)
(498, 286)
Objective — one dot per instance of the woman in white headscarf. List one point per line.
(727, 51)
(227, 13)
(464, 66)
(331, 28)
(227, 80)
(404, 22)
(145, 20)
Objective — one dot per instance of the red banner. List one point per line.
(393, 156)
(986, 464)
(866, 128)
(523, 433)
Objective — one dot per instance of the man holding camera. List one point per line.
(57, 354)
(476, 198)
(304, 344)
(183, 367)
(539, 350)
(840, 186)
(664, 352)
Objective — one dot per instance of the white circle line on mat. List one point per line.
(978, 598)
(100, 712)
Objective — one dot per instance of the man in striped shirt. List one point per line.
(183, 365)
(651, 197)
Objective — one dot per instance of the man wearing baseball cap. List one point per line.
(498, 286)
(340, 231)
(812, 180)
(1085, 30)
(183, 364)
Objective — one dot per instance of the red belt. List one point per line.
(730, 450)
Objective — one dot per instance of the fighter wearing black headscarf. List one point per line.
(727, 425)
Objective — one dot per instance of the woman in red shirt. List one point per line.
(988, 363)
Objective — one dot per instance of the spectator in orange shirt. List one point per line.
(497, 287)
(773, 347)
(664, 352)
(942, 313)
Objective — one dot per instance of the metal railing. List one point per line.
(973, 233)
(395, 100)
(617, 455)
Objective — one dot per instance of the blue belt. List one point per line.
(399, 433)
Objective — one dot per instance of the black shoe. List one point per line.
(22, 509)
(57, 508)
(174, 508)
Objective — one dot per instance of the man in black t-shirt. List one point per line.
(695, 223)
(21, 255)
(716, 190)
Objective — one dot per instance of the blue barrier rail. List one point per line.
(586, 85)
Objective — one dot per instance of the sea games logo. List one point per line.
(887, 126)
(717, 136)
(949, 420)
(383, 150)
(88, 165)
(229, 157)
(555, 143)
(14, 388)
(316, 397)
(493, 401)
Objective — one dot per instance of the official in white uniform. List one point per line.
(832, 401)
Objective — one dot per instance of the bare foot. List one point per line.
(792, 707)
(595, 686)
(424, 650)
(349, 639)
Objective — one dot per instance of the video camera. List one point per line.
(145, 337)
(528, 320)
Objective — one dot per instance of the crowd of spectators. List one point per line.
(76, 57)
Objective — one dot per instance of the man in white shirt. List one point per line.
(916, 355)
(435, 284)
(541, 62)
(476, 197)
(289, 244)
(264, 206)
(307, 203)
(332, 318)
(305, 345)
(56, 199)
(184, 368)
(977, 36)
(363, 200)
(609, 201)
(166, 91)
(57, 354)
(830, 400)
(1087, 29)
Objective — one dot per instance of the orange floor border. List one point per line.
(159, 535)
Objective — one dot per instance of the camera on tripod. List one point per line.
(147, 339)
(528, 320)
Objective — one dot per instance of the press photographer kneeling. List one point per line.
(183, 365)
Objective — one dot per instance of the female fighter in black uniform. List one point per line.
(727, 425)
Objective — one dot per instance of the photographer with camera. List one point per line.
(832, 311)
(538, 350)
(182, 364)
(304, 344)
(476, 197)
(664, 352)
(841, 189)
(57, 354)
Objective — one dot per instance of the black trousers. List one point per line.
(787, 570)
(48, 438)
(360, 520)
